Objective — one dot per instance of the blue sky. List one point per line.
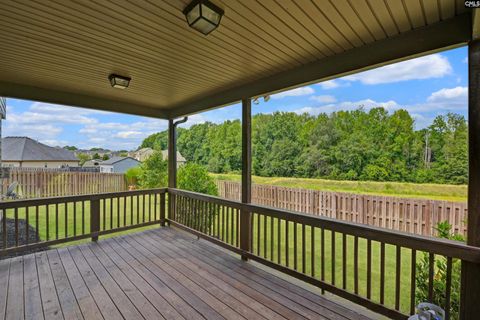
(426, 86)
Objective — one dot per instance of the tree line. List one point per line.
(361, 144)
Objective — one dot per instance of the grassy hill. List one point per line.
(399, 189)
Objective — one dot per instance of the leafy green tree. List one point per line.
(154, 172)
(105, 157)
(194, 177)
(96, 156)
(348, 145)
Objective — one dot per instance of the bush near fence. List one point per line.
(418, 216)
(40, 183)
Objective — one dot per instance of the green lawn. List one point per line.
(72, 221)
(399, 189)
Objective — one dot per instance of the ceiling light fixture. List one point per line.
(119, 82)
(203, 16)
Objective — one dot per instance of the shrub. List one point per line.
(440, 275)
(154, 173)
(133, 176)
(194, 177)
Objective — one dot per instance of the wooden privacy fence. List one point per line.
(418, 216)
(40, 183)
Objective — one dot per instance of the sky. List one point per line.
(425, 86)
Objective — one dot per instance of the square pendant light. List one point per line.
(203, 16)
(119, 82)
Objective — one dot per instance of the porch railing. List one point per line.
(380, 269)
(34, 223)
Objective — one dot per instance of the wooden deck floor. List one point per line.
(156, 274)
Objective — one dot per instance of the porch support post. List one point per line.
(470, 306)
(172, 155)
(245, 216)
(172, 167)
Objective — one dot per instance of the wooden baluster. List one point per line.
(279, 241)
(448, 289)
(144, 209)
(125, 211)
(303, 249)
(65, 211)
(355, 264)
(4, 228)
(265, 236)
(56, 220)
(37, 224)
(322, 256)
(258, 234)
(83, 217)
(162, 209)
(312, 251)
(118, 212)
(295, 244)
(27, 233)
(382, 273)
(131, 210)
(413, 270)
(138, 209)
(16, 226)
(74, 218)
(431, 263)
(398, 259)
(369, 268)
(333, 257)
(344, 261)
(237, 228)
(287, 241)
(272, 239)
(104, 214)
(47, 220)
(94, 218)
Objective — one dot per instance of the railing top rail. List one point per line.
(62, 199)
(450, 248)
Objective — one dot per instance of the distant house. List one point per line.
(118, 164)
(24, 152)
(180, 159)
(142, 154)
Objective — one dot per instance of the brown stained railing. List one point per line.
(376, 268)
(63, 219)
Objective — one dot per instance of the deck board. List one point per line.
(156, 274)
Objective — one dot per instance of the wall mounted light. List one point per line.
(119, 82)
(203, 16)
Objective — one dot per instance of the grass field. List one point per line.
(72, 221)
(399, 189)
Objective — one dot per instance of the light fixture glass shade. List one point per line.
(203, 16)
(193, 14)
(119, 82)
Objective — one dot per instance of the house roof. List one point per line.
(114, 160)
(27, 149)
(64, 51)
(180, 158)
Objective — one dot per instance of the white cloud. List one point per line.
(449, 94)
(128, 134)
(427, 67)
(465, 60)
(324, 99)
(349, 105)
(48, 123)
(303, 91)
(330, 84)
